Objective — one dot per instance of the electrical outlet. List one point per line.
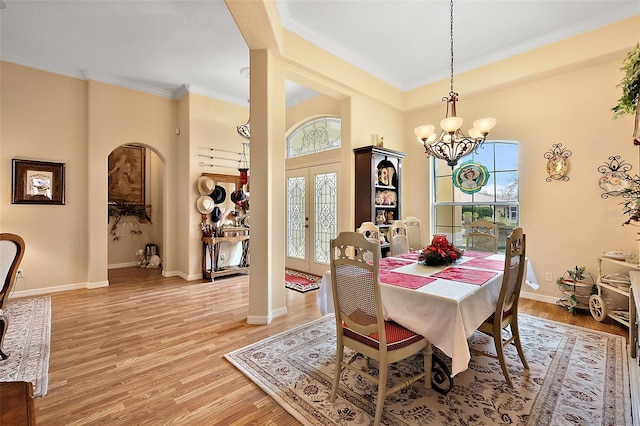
(19, 274)
(548, 276)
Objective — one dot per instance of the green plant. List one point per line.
(630, 85)
(120, 209)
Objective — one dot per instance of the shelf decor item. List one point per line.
(439, 252)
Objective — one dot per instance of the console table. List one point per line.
(211, 251)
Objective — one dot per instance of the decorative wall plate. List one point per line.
(557, 167)
(615, 181)
(470, 177)
(557, 163)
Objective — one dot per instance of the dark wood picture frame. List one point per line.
(37, 182)
(127, 174)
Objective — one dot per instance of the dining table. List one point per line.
(446, 304)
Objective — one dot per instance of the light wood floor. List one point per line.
(149, 350)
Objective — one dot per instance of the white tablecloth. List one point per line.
(445, 312)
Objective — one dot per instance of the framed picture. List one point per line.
(37, 182)
(127, 174)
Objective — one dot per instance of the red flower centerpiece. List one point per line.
(439, 252)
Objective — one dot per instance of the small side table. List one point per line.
(16, 404)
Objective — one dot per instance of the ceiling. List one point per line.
(166, 46)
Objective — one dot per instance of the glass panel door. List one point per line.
(312, 211)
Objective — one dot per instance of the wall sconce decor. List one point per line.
(615, 181)
(557, 164)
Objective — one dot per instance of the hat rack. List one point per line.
(242, 157)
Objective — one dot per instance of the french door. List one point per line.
(312, 217)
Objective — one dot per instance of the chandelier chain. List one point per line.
(451, 40)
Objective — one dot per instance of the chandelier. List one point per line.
(452, 144)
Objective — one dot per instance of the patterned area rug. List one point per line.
(577, 376)
(300, 281)
(27, 342)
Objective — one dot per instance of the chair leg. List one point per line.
(4, 325)
(515, 332)
(382, 390)
(338, 372)
(497, 338)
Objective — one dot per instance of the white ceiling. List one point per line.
(159, 46)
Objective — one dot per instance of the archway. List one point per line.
(135, 192)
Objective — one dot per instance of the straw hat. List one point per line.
(206, 185)
(205, 204)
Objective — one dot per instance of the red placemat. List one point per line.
(391, 263)
(469, 276)
(497, 265)
(404, 280)
(479, 254)
(412, 256)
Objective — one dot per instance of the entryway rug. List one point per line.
(301, 281)
(577, 377)
(28, 341)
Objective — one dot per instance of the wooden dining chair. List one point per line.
(360, 324)
(372, 233)
(397, 237)
(506, 313)
(482, 235)
(414, 232)
(11, 252)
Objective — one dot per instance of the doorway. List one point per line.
(311, 216)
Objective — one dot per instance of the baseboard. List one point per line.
(122, 265)
(49, 290)
(540, 298)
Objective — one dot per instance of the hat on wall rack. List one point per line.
(206, 185)
(219, 194)
(205, 204)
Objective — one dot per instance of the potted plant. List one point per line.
(630, 85)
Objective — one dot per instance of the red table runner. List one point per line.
(469, 276)
(404, 280)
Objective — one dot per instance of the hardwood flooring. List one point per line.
(148, 350)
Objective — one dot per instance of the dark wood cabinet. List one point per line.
(16, 404)
(378, 177)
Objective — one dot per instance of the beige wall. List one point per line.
(44, 117)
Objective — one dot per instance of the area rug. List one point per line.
(301, 281)
(27, 341)
(577, 377)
